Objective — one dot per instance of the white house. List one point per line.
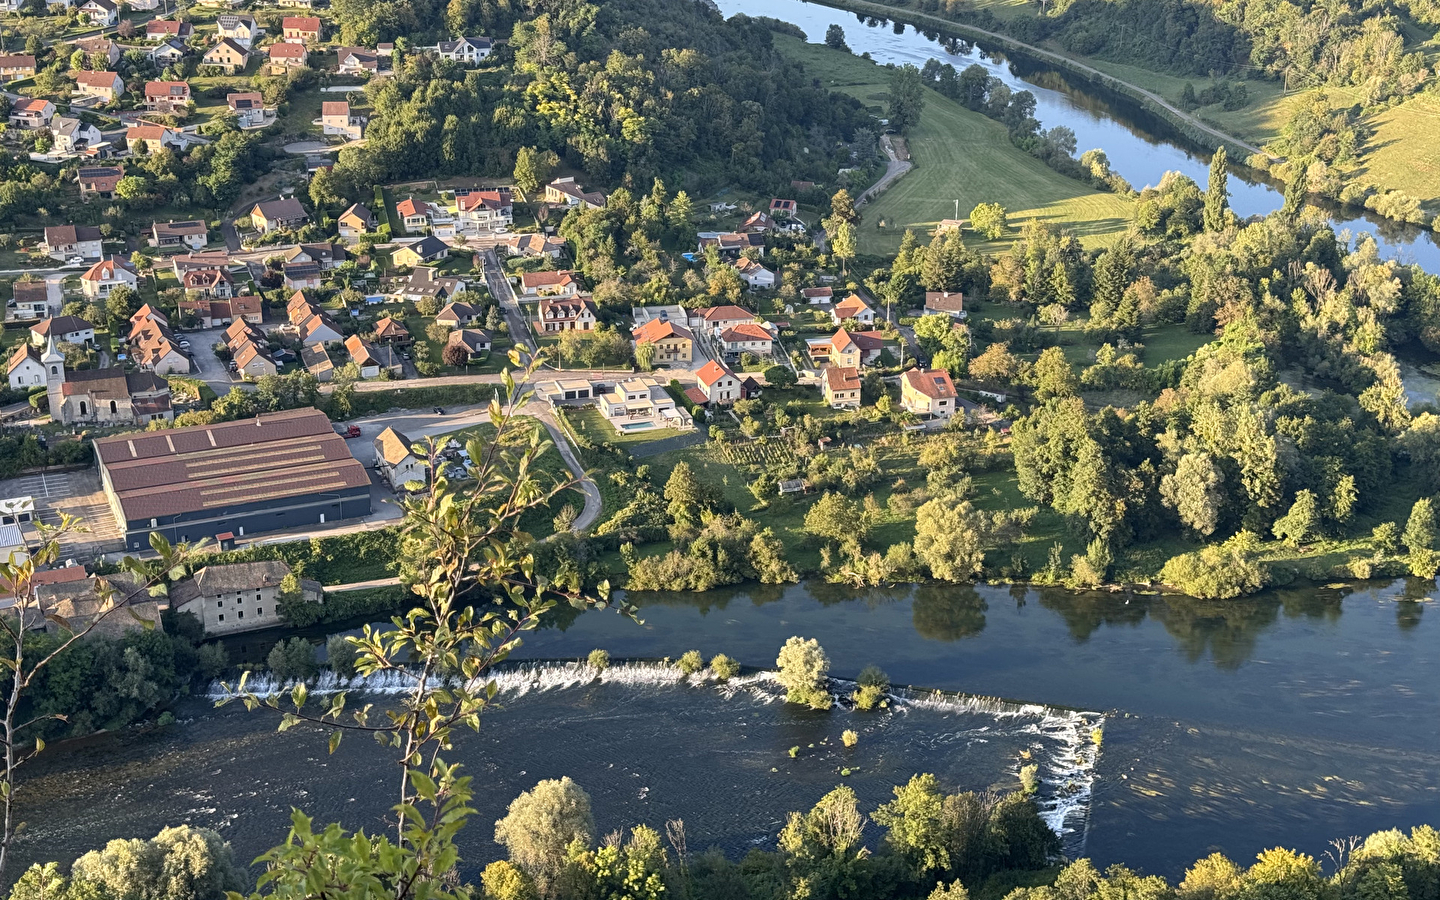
(749, 337)
(718, 383)
(73, 135)
(853, 307)
(24, 369)
(397, 462)
(70, 329)
(106, 275)
(640, 404)
(242, 29)
(755, 275)
(101, 12)
(468, 50)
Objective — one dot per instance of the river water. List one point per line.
(1140, 147)
(1290, 718)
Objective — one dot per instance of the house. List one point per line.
(748, 337)
(240, 330)
(853, 307)
(66, 241)
(24, 369)
(14, 66)
(393, 332)
(300, 29)
(32, 113)
(548, 284)
(153, 138)
(146, 317)
(475, 341)
(168, 52)
(203, 312)
(845, 348)
(103, 396)
(99, 181)
(301, 275)
(673, 343)
(107, 275)
(755, 275)
(238, 597)
(813, 296)
(326, 256)
(70, 329)
(210, 259)
(242, 29)
(166, 96)
(272, 215)
(253, 360)
(101, 12)
(98, 48)
(108, 608)
(732, 244)
(567, 192)
(467, 50)
(227, 55)
(358, 61)
(106, 85)
(397, 461)
(284, 56)
(841, 387)
(783, 209)
(417, 215)
(458, 315)
(427, 249)
(296, 4)
(371, 358)
(216, 283)
(484, 211)
(640, 404)
(567, 314)
(335, 119)
(164, 29)
(718, 318)
(718, 384)
(317, 328)
(157, 352)
(32, 300)
(355, 222)
(928, 393)
(757, 222)
(568, 389)
(248, 108)
(951, 303)
(427, 282)
(534, 245)
(74, 135)
(193, 234)
(317, 362)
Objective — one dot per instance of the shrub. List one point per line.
(211, 661)
(873, 676)
(341, 655)
(541, 823)
(867, 697)
(166, 718)
(849, 738)
(802, 667)
(1097, 736)
(503, 880)
(293, 660)
(599, 660)
(1030, 778)
(723, 667)
(690, 662)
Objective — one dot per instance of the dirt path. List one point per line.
(893, 13)
(893, 170)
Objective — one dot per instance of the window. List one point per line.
(219, 603)
(240, 614)
(113, 408)
(259, 611)
(220, 618)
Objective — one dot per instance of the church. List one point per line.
(103, 396)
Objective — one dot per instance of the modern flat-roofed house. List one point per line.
(842, 387)
(640, 404)
(99, 181)
(672, 342)
(238, 597)
(193, 234)
(14, 66)
(397, 461)
(65, 241)
(355, 222)
(32, 113)
(300, 29)
(951, 303)
(106, 85)
(228, 55)
(248, 107)
(271, 215)
(718, 383)
(567, 314)
(166, 96)
(928, 393)
(467, 50)
(853, 307)
(568, 389)
(567, 192)
(274, 471)
(284, 56)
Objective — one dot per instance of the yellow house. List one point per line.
(673, 343)
(928, 393)
(842, 387)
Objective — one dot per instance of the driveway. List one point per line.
(209, 367)
(893, 170)
(500, 289)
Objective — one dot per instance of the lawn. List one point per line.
(590, 423)
(961, 155)
(1404, 151)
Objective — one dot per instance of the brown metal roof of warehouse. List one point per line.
(270, 457)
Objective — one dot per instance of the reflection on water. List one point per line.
(1141, 147)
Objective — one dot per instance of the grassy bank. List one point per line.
(960, 155)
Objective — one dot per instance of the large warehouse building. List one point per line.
(275, 471)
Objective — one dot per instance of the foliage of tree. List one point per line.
(801, 669)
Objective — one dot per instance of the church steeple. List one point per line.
(53, 359)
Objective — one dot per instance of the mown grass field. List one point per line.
(960, 155)
(1258, 121)
(1404, 151)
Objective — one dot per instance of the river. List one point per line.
(1140, 147)
(1291, 718)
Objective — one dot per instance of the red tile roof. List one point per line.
(933, 383)
(712, 372)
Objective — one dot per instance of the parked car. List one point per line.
(348, 431)
(75, 261)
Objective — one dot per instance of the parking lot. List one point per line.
(79, 494)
